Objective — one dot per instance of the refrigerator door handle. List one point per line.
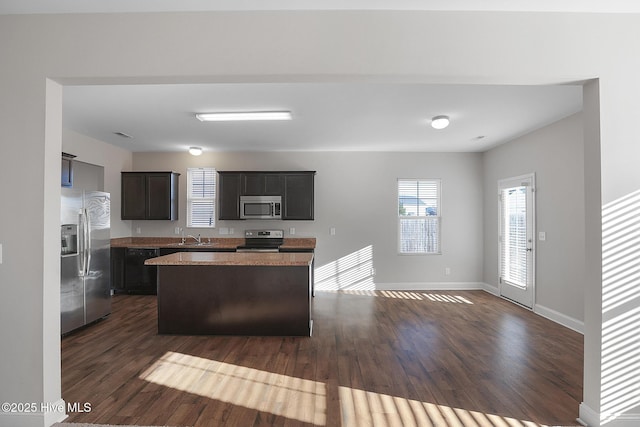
(83, 243)
(87, 221)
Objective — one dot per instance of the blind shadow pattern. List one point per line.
(350, 272)
(304, 401)
(620, 373)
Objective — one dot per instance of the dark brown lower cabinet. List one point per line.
(117, 270)
(234, 300)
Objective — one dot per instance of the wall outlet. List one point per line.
(447, 271)
(542, 236)
(138, 230)
(292, 230)
(0, 253)
(177, 230)
(223, 230)
(332, 231)
(231, 230)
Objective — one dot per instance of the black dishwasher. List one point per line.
(140, 278)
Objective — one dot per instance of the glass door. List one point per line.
(516, 239)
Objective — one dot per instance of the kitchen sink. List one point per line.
(196, 244)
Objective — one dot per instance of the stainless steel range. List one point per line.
(262, 241)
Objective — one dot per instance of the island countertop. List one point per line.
(234, 258)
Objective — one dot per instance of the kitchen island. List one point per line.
(228, 293)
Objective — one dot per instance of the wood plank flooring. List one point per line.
(375, 359)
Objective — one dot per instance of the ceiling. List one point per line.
(354, 117)
(326, 116)
(115, 6)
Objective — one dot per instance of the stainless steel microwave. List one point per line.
(260, 207)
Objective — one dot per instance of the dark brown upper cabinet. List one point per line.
(298, 196)
(262, 184)
(296, 189)
(229, 189)
(150, 195)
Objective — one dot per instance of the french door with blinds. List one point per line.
(516, 239)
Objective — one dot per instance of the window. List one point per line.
(201, 197)
(419, 216)
(513, 235)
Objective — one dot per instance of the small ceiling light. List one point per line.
(440, 122)
(195, 151)
(244, 115)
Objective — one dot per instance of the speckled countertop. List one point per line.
(215, 242)
(234, 258)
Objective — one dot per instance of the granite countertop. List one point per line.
(216, 242)
(277, 259)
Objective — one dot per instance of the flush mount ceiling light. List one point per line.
(195, 151)
(244, 115)
(440, 122)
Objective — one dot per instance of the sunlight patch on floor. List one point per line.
(457, 299)
(408, 295)
(282, 395)
(306, 400)
(361, 408)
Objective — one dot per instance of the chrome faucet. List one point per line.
(197, 239)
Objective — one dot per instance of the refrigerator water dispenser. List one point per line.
(69, 239)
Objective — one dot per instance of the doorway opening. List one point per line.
(516, 239)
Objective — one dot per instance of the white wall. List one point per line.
(556, 155)
(113, 159)
(483, 48)
(356, 192)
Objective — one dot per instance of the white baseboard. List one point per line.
(546, 312)
(493, 290)
(541, 310)
(430, 286)
(588, 417)
(560, 318)
(42, 414)
(591, 418)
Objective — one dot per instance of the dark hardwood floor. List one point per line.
(375, 358)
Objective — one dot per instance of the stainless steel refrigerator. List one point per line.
(85, 288)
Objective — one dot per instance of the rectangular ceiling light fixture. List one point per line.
(243, 115)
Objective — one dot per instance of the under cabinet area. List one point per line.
(150, 195)
(296, 189)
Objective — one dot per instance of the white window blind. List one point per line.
(201, 197)
(419, 216)
(513, 235)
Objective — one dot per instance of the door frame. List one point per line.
(501, 184)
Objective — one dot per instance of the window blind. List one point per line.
(513, 236)
(419, 216)
(201, 197)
